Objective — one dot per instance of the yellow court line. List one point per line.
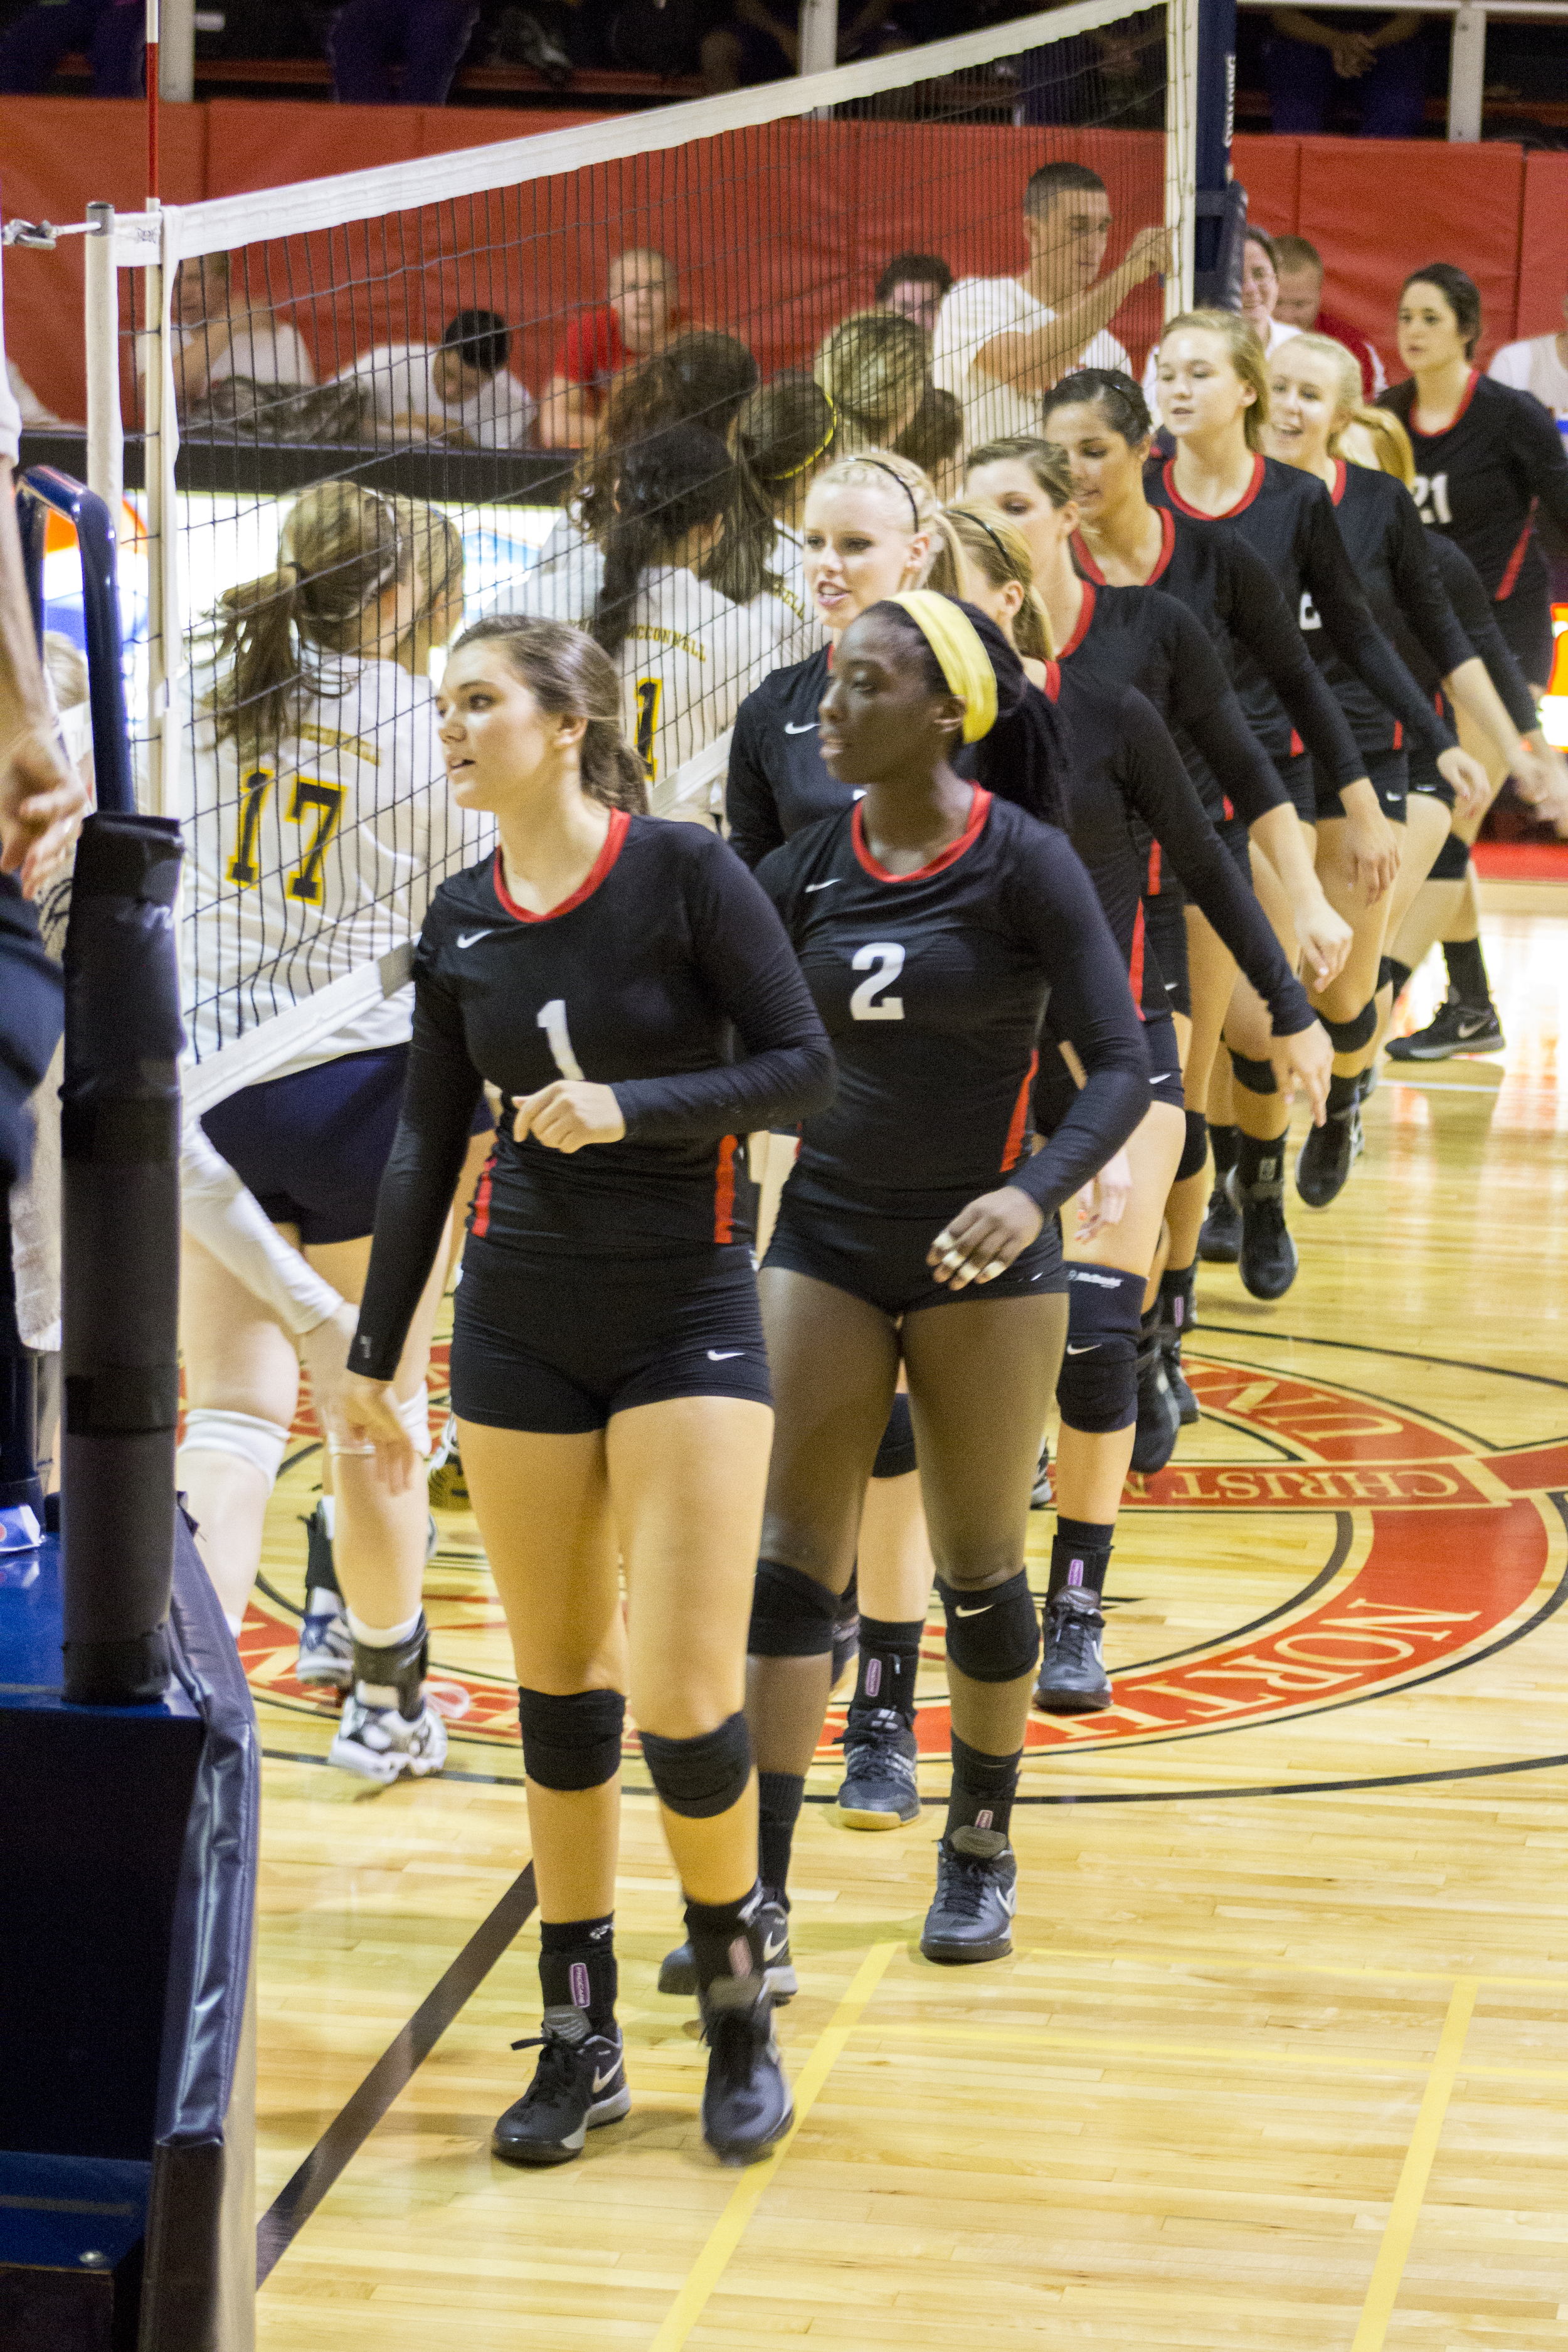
(1415, 2172)
(711, 2264)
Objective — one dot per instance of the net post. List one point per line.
(1466, 72)
(1213, 108)
(100, 321)
(818, 35)
(1181, 149)
(161, 444)
(177, 52)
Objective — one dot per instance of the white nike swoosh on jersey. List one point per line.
(823, 885)
(791, 728)
(1162, 1077)
(723, 1355)
(1083, 1351)
(974, 1612)
(467, 939)
(602, 2082)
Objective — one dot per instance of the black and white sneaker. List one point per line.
(970, 1916)
(1042, 1495)
(578, 2083)
(1159, 1421)
(746, 2101)
(1219, 1236)
(678, 1969)
(1325, 1160)
(1072, 1679)
(326, 1645)
(1453, 1029)
(1268, 1259)
(881, 1790)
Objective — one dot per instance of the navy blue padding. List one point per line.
(55, 2208)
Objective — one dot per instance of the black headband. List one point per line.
(894, 476)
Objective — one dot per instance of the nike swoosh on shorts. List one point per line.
(723, 1355)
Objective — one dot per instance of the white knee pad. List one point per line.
(242, 1433)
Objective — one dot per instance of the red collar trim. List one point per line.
(1341, 475)
(1091, 570)
(1052, 681)
(1085, 619)
(1475, 377)
(1088, 567)
(620, 822)
(978, 808)
(1198, 512)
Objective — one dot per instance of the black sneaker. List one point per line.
(1072, 1678)
(1453, 1029)
(970, 1916)
(1267, 1261)
(1188, 1410)
(1324, 1161)
(1042, 1495)
(881, 1790)
(578, 2084)
(746, 2102)
(1159, 1415)
(678, 1969)
(1219, 1236)
(1367, 1086)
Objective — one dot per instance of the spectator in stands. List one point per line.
(1300, 268)
(459, 391)
(1002, 342)
(1539, 366)
(637, 318)
(915, 284)
(112, 32)
(214, 340)
(370, 37)
(1313, 61)
(875, 367)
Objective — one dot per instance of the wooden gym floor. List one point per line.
(1282, 2056)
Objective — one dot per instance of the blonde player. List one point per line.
(321, 827)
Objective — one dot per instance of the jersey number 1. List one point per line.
(553, 1021)
(884, 960)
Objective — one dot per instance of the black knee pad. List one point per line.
(992, 1636)
(1452, 861)
(895, 1453)
(792, 1614)
(1097, 1387)
(1350, 1036)
(574, 1742)
(698, 1778)
(1195, 1149)
(1257, 1077)
(1392, 973)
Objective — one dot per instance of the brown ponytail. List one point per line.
(999, 550)
(572, 678)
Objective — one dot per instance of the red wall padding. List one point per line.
(778, 230)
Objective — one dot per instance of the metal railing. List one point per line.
(1468, 58)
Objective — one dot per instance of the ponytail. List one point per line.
(673, 483)
(1001, 553)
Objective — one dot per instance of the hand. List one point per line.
(1472, 792)
(1103, 1201)
(984, 1239)
(1149, 254)
(1306, 1059)
(368, 1410)
(1374, 848)
(42, 804)
(569, 1113)
(1542, 776)
(1352, 55)
(324, 1353)
(1325, 938)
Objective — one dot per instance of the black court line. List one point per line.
(347, 2133)
(1343, 1537)
(1367, 1348)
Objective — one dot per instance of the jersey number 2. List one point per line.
(553, 1021)
(884, 960)
(650, 694)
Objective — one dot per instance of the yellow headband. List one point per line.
(960, 657)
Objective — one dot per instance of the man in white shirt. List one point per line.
(1001, 342)
(459, 391)
(1539, 366)
(215, 340)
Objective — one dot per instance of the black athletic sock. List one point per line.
(577, 1967)
(1223, 1141)
(725, 1939)
(1467, 973)
(1343, 1093)
(780, 1796)
(1177, 1306)
(889, 1661)
(1260, 1159)
(1081, 1554)
(984, 1788)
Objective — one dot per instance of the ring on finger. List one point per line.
(989, 1273)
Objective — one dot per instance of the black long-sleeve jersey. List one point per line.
(1287, 516)
(1477, 615)
(778, 783)
(1231, 593)
(1144, 637)
(932, 986)
(1484, 476)
(1125, 767)
(667, 977)
(1381, 527)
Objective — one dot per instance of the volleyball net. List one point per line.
(425, 344)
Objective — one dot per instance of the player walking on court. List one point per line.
(629, 988)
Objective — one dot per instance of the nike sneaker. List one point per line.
(579, 2084)
(678, 1969)
(879, 1789)
(746, 2102)
(1453, 1029)
(970, 1916)
(1072, 1679)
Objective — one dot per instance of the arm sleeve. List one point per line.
(785, 1069)
(1355, 636)
(218, 1211)
(1091, 1007)
(1421, 595)
(439, 1098)
(1203, 704)
(1546, 470)
(750, 810)
(1160, 788)
(1261, 623)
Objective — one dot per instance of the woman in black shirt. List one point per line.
(624, 984)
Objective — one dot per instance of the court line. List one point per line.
(708, 2268)
(1401, 1355)
(1344, 1536)
(390, 2077)
(1415, 2172)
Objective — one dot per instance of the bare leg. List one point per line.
(240, 1364)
